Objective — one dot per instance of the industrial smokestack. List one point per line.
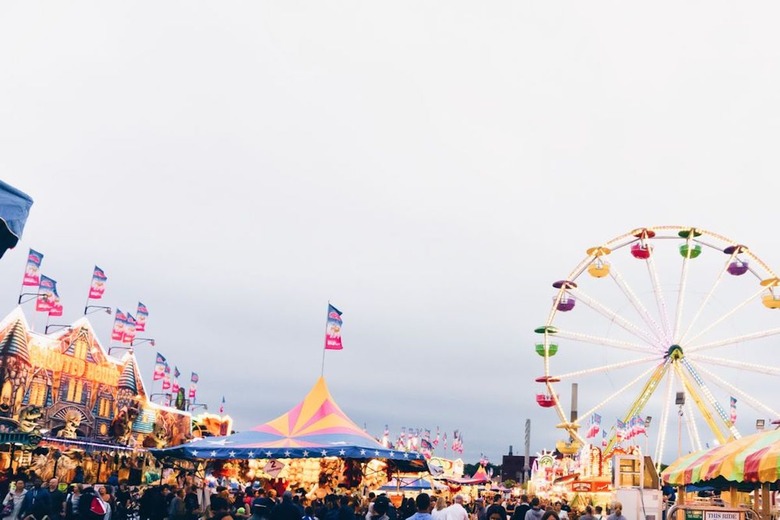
(573, 402)
(526, 459)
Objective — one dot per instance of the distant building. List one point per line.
(512, 468)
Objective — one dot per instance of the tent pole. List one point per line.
(733, 497)
(765, 501)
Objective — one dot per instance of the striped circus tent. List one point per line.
(316, 427)
(751, 459)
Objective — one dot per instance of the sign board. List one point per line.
(721, 515)
(273, 468)
(694, 514)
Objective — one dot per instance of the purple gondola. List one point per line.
(737, 268)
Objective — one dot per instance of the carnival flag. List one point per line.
(98, 285)
(166, 384)
(32, 271)
(193, 385)
(595, 425)
(603, 438)
(733, 417)
(140, 317)
(620, 432)
(47, 292)
(640, 426)
(159, 367)
(118, 332)
(386, 437)
(129, 329)
(56, 306)
(333, 329)
(222, 406)
(436, 440)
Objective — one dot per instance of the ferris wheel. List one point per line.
(670, 322)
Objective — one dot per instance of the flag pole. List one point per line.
(322, 370)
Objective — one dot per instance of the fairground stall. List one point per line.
(315, 447)
(69, 409)
(743, 474)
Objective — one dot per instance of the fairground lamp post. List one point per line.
(134, 342)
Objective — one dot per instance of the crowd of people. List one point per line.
(39, 501)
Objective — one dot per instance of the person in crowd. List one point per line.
(598, 512)
(191, 503)
(72, 502)
(423, 503)
(57, 499)
(121, 501)
(557, 507)
(261, 506)
(37, 502)
(535, 512)
(177, 510)
(91, 505)
(308, 513)
(617, 512)
(12, 503)
(438, 511)
(286, 510)
(550, 515)
(345, 512)
(379, 511)
(565, 505)
(496, 511)
(296, 500)
(522, 508)
(588, 514)
(456, 511)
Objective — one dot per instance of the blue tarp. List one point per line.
(14, 209)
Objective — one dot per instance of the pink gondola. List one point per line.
(641, 251)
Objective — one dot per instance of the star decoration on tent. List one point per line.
(305, 453)
(376, 453)
(362, 452)
(195, 452)
(342, 452)
(268, 453)
(406, 455)
(324, 453)
(392, 454)
(213, 453)
(232, 454)
(251, 454)
(287, 453)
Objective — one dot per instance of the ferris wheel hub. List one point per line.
(675, 353)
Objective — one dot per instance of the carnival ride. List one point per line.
(625, 332)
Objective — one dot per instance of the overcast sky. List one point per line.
(428, 167)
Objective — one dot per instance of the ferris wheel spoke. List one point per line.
(693, 430)
(606, 368)
(636, 303)
(621, 391)
(742, 365)
(734, 340)
(750, 400)
(681, 294)
(727, 315)
(601, 340)
(707, 298)
(668, 402)
(659, 297)
(615, 318)
(690, 384)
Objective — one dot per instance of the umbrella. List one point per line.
(14, 208)
(755, 458)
